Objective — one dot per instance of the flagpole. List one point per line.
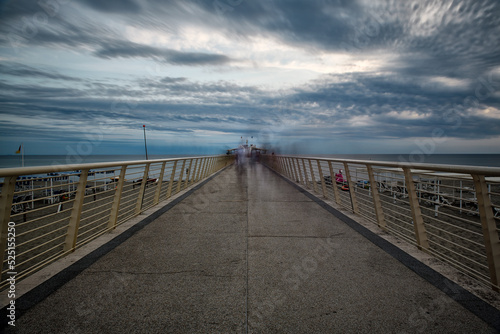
(145, 145)
(22, 154)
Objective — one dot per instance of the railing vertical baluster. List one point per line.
(6, 198)
(313, 179)
(334, 184)
(188, 174)
(181, 176)
(490, 234)
(305, 173)
(76, 212)
(159, 183)
(172, 178)
(376, 199)
(354, 202)
(418, 222)
(115, 207)
(323, 185)
(138, 205)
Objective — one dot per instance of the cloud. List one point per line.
(133, 50)
(114, 6)
(20, 70)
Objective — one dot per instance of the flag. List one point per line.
(19, 150)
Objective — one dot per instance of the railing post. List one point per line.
(300, 172)
(200, 169)
(418, 222)
(305, 173)
(171, 182)
(6, 198)
(334, 183)
(115, 207)
(181, 176)
(323, 185)
(376, 199)
(138, 205)
(188, 174)
(285, 167)
(159, 184)
(296, 176)
(205, 166)
(289, 167)
(210, 166)
(313, 179)
(488, 224)
(193, 174)
(354, 202)
(278, 165)
(76, 212)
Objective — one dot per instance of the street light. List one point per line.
(145, 144)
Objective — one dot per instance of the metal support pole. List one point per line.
(181, 176)
(193, 173)
(354, 203)
(188, 174)
(490, 234)
(323, 185)
(334, 184)
(376, 199)
(296, 176)
(140, 198)
(300, 171)
(115, 207)
(159, 183)
(418, 222)
(200, 169)
(305, 173)
(76, 212)
(171, 182)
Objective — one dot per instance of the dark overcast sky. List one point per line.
(301, 76)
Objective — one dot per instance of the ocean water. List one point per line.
(492, 160)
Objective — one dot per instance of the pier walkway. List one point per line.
(250, 252)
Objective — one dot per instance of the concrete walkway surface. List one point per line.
(249, 253)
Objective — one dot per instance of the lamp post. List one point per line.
(145, 144)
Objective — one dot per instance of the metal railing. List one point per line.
(451, 212)
(56, 209)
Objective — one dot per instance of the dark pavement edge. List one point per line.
(468, 300)
(45, 289)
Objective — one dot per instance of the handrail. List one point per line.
(49, 216)
(460, 169)
(93, 165)
(449, 211)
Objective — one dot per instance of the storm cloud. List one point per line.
(386, 72)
